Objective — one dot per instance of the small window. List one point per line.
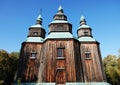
(87, 55)
(86, 33)
(60, 52)
(33, 55)
(35, 33)
(60, 17)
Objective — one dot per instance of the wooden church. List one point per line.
(60, 58)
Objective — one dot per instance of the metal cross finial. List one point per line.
(40, 11)
(60, 2)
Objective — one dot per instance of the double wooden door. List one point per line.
(60, 76)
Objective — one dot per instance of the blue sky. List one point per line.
(103, 16)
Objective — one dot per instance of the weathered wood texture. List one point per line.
(69, 64)
(78, 62)
(36, 32)
(28, 67)
(74, 66)
(67, 27)
(92, 66)
(84, 32)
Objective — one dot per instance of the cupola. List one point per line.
(60, 23)
(36, 32)
(84, 29)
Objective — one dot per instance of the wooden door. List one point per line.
(60, 76)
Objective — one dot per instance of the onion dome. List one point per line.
(83, 23)
(60, 23)
(84, 31)
(36, 32)
(38, 22)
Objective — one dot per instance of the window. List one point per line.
(35, 33)
(87, 55)
(86, 33)
(60, 17)
(60, 28)
(60, 52)
(33, 55)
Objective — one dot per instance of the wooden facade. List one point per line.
(29, 66)
(60, 58)
(92, 62)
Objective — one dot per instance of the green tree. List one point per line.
(3, 64)
(8, 66)
(112, 69)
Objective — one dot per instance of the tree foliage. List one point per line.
(8, 66)
(112, 69)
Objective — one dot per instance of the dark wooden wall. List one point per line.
(70, 63)
(73, 66)
(78, 62)
(28, 68)
(92, 67)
